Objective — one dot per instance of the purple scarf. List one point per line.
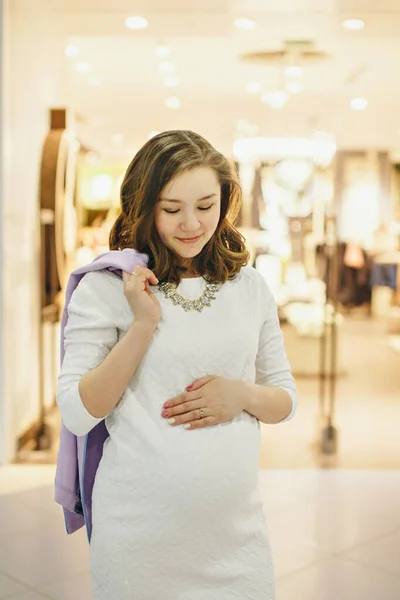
(79, 457)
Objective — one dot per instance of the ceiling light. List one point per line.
(245, 23)
(253, 87)
(162, 50)
(275, 99)
(358, 104)
(354, 24)
(263, 149)
(136, 23)
(83, 67)
(173, 102)
(153, 133)
(171, 81)
(293, 71)
(166, 67)
(71, 50)
(294, 87)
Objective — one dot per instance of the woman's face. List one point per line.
(188, 211)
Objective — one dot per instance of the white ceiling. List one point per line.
(206, 49)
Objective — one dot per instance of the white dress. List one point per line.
(177, 513)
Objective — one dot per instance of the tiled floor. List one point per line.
(335, 536)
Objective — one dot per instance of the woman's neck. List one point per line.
(188, 272)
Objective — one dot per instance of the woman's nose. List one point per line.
(190, 222)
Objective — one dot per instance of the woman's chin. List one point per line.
(191, 251)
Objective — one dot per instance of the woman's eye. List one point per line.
(173, 212)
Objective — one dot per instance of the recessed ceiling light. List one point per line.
(293, 71)
(253, 87)
(71, 50)
(173, 102)
(83, 67)
(245, 23)
(166, 67)
(153, 133)
(354, 24)
(162, 50)
(359, 103)
(171, 81)
(136, 23)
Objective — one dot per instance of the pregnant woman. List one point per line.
(182, 359)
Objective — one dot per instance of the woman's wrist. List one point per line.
(144, 327)
(249, 396)
(267, 403)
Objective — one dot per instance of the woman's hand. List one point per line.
(144, 304)
(208, 401)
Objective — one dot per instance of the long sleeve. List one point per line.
(89, 336)
(272, 365)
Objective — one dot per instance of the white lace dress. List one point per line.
(176, 513)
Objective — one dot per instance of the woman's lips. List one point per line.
(189, 240)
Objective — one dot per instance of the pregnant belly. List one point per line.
(161, 466)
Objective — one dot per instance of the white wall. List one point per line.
(33, 74)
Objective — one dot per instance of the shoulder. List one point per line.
(250, 278)
(98, 288)
(255, 293)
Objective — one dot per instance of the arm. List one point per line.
(273, 398)
(268, 404)
(96, 368)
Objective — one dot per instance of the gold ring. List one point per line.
(134, 273)
(201, 412)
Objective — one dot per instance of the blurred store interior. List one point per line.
(302, 96)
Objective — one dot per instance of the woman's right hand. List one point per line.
(144, 304)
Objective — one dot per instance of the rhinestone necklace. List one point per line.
(169, 290)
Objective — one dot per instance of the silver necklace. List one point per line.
(169, 290)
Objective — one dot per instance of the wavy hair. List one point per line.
(161, 159)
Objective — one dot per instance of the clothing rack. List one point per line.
(328, 342)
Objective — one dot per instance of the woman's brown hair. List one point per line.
(161, 159)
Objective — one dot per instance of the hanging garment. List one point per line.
(79, 456)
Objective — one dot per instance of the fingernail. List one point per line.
(187, 426)
(189, 387)
(164, 413)
(171, 421)
(167, 405)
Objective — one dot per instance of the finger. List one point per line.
(198, 383)
(200, 423)
(182, 399)
(125, 276)
(146, 274)
(184, 408)
(189, 417)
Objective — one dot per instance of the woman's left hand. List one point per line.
(208, 401)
